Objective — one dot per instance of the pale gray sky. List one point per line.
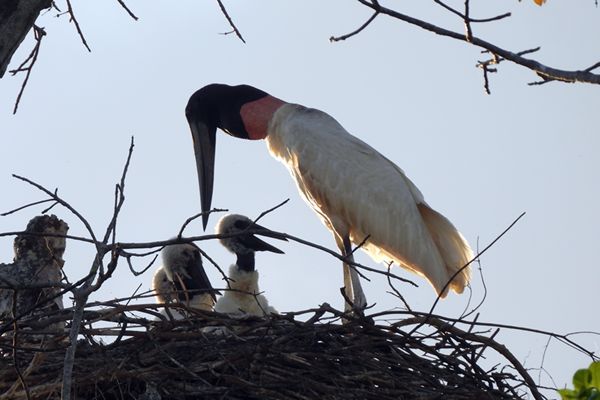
(480, 160)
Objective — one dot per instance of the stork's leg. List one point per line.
(359, 299)
(347, 287)
(347, 276)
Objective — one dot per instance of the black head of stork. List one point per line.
(217, 106)
(243, 241)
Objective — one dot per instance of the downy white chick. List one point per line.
(243, 296)
(182, 279)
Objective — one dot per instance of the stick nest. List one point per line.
(124, 353)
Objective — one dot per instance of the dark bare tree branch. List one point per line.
(35, 203)
(355, 32)
(27, 65)
(74, 20)
(131, 14)
(545, 72)
(17, 18)
(196, 216)
(466, 16)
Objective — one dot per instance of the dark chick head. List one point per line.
(243, 231)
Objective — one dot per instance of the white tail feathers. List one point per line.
(452, 246)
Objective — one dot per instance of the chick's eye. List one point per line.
(240, 224)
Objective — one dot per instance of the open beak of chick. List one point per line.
(253, 242)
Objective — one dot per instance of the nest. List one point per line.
(209, 355)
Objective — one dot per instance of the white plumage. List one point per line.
(161, 286)
(164, 292)
(182, 279)
(358, 192)
(243, 296)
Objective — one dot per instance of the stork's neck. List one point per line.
(245, 261)
(257, 114)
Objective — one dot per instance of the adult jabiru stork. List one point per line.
(244, 296)
(356, 191)
(182, 278)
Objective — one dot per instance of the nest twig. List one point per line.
(126, 352)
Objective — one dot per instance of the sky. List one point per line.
(418, 98)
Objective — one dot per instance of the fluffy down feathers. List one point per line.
(243, 298)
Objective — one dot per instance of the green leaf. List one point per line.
(595, 374)
(567, 394)
(581, 379)
(595, 395)
(586, 382)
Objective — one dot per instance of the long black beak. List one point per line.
(204, 137)
(256, 244)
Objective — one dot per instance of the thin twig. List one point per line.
(540, 69)
(544, 358)
(79, 32)
(196, 216)
(223, 274)
(131, 14)
(39, 34)
(133, 271)
(120, 195)
(562, 338)
(496, 346)
(231, 23)
(35, 203)
(395, 291)
(270, 210)
(468, 18)
(478, 306)
(162, 243)
(350, 257)
(593, 67)
(45, 210)
(55, 197)
(356, 31)
(360, 245)
(467, 21)
(48, 234)
(15, 345)
(478, 255)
